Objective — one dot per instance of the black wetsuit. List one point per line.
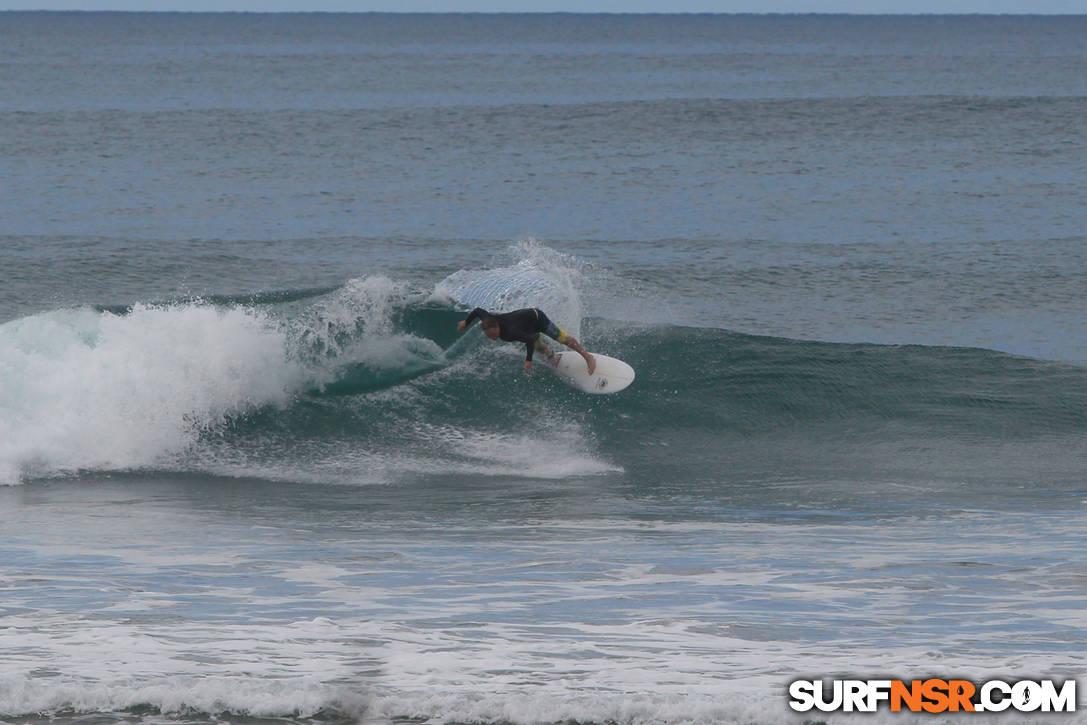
(521, 326)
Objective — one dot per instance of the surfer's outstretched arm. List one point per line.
(477, 312)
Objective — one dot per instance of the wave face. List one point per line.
(370, 382)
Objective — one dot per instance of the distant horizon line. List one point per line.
(547, 12)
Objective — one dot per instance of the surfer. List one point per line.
(528, 326)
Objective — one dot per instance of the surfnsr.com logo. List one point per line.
(932, 695)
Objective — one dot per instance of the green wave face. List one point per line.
(372, 383)
(709, 408)
(746, 385)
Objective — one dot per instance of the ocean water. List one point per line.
(251, 473)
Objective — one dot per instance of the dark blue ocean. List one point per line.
(251, 473)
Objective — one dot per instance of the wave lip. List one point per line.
(350, 342)
(538, 277)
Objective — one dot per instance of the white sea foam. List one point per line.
(591, 619)
(82, 389)
(558, 452)
(86, 389)
(675, 672)
(262, 671)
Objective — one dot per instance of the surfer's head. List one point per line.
(490, 327)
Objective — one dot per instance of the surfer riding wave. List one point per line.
(528, 326)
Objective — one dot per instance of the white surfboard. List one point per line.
(611, 375)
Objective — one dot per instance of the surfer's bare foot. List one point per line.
(591, 361)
